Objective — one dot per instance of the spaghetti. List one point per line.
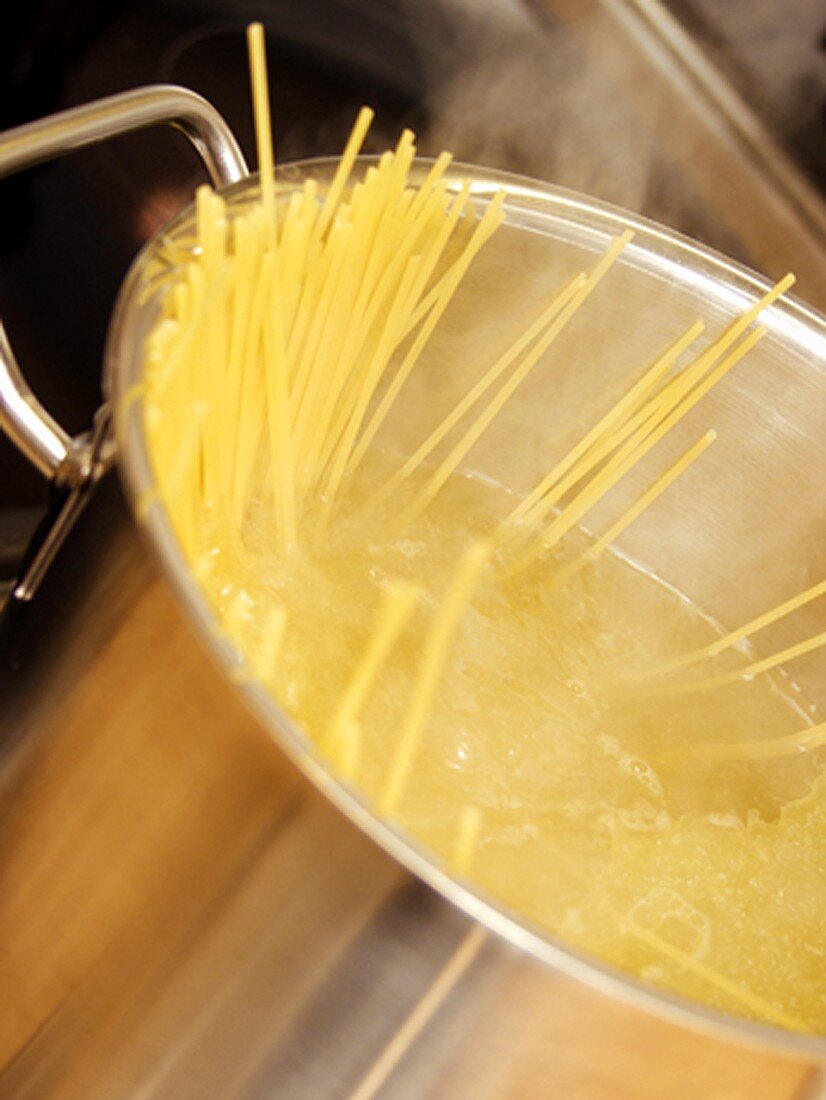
(445, 645)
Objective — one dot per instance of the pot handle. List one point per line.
(74, 464)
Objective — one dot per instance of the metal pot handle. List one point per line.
(74, 464)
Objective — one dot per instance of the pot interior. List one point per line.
(737, 534)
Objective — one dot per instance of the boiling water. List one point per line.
(705, 878)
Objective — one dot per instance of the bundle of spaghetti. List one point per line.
(638, 406)
(617, 451)
(284, 326)
(624, 436)
(540, 334)
(287, 315)
(563, 574)
(285, 323)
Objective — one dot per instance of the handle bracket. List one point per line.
(74, 464)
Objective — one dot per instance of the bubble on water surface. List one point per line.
(644, 817)
(641, 770)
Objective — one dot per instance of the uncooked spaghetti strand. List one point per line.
(256, 47)
(324, 356)
(251, 240)
(241, 294)
(411, 233)
(741, 323)
(668, 408)
(490, 377)
(251, 416)
(371, 198)
(304, 356)
(742, 632)
(186, 454)
(272, 640)
(808, 739)
(397, 604)
(393, 211)
(431, 231)
(343, 351)
(627, 403)
(350, 742)
(191, 330)
(647, 436)
(563, 575)
(400, 196)
(374, 198)
(327, 428)
(344, 167)
(390, 336)
(619, 439)
(747, 674)
(316, 270)
(667, 397)
(398, 232)
(300, 261)
(179, 381)
(430, 490)
(211, 351)
(214, 371)
(210, 228)
(650, 495)
(434, 657)
(467, 838)
(756, 1004)
(294, 246)
(370, 280)
(437, 291)
(464, 234)
(278, 417)
(431, 181)
(576, 294)
(635, 449)
(487, 225)
(347, 333)
(368, 355)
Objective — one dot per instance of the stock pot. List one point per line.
(774, 413)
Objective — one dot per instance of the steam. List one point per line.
(511, 86)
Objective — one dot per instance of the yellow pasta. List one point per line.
(496, 681)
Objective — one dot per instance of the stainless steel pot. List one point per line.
(771, 416)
